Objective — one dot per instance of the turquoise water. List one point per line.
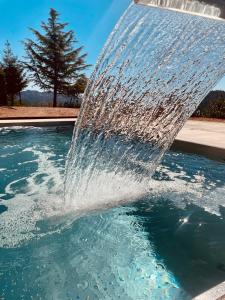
(169, 245)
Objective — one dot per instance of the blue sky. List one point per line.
(92, 21)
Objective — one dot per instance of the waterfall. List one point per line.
(155, 69)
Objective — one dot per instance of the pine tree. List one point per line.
(53, 62)
(74, 91)
(78, 87)
(3, 95)
(14, 73)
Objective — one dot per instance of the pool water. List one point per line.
(169, 245)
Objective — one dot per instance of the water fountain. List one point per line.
(161, 60)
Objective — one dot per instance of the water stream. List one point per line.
(155, 69)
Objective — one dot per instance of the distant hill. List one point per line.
(36, 98)
(213, 106)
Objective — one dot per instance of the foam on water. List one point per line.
(32, 200)
(37, 198)
(155, 69)
(105, 258)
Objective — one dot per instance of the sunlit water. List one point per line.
(155, 69)
(169, 245)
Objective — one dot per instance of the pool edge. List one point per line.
(42, 122)
(216, 293)
(208, 151)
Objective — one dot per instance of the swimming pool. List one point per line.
(169, 245)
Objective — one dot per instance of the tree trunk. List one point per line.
(3, 99)
(20, 98)
(55, 97)
(12, 99)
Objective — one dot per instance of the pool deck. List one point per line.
(197, 136)
(202, 137)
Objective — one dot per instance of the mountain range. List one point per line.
(37, 98)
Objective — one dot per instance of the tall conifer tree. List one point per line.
(14, 73)
(52, 60)
(3, 95)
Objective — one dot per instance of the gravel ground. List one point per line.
(13, 112)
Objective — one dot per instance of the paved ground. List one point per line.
(202, 137)
(14, 112)
(204, 133)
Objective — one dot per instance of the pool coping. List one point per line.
(215, 153)
(215, 293)
(37, 122)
